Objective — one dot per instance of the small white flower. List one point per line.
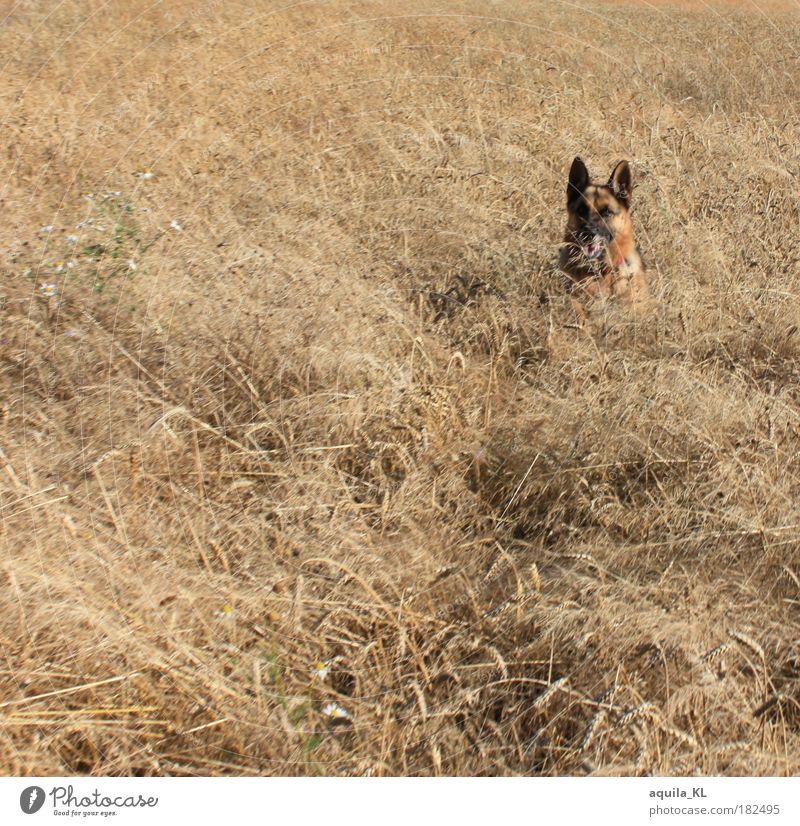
(132, 265)
(86, 222)
(73, 239)
(48, 290)
(321, 670)
(335, 711)
(176, 226)
(59, 266)
(70, 265)
(47, 228)
(145, 174)
(70, 333)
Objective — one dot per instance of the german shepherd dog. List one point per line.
(600, 258)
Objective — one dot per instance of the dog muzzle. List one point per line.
(594, 249)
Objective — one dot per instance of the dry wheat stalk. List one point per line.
(502, 562)
(774, 700)
(536, 581)
(715, 653)
(682, 736)
(544, 698)
(593, 729)
(498, 658)
(645, 711)
(748, 642)
(423, 706)
(790, 574)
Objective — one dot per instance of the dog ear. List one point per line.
(578, 181)
(621, 183)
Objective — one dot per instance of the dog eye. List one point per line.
(605, 212)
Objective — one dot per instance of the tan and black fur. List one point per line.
(600, 258)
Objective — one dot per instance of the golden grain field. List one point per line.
(305, 467)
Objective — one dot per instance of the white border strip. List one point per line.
(377, 801)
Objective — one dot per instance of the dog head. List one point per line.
(599, 218)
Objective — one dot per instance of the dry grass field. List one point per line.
(305, 467)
